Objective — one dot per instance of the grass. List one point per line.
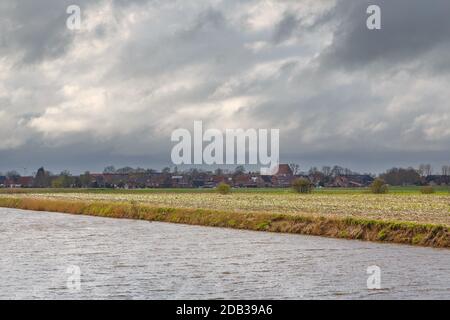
(349, 227)
(420, 208)
(409, 190)
(405, 215)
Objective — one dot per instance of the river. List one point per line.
(60, 256)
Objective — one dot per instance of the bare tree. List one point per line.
(109, 169)
(421, 170)
(428, 170)
(348, 172)
(445, 170)
(425, 170)
(337, 171)
(295, 168)
(326, 171)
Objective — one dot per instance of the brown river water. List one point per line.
(59, 256)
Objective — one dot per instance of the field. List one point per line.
(406, 206)
(412, 190)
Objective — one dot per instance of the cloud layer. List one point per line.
(113, 91)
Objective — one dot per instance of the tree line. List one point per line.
(393, 176)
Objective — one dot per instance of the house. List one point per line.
(267, 181)
(97, 180)
(11, 183)
(161, 180)
(109, 180)
(284, 170)
(437, 180)
(217, 179)
(284, 177)
(351, 181)
(142, 180)
(25, 182)
(18, 182)
(180, 181)
(245, 180)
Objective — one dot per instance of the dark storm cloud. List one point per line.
(34, 29)
(112, 92)
(409, 30)
(285, 28)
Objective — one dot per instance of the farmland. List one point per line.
(403, 206)
(406, 206)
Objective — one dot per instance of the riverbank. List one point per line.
(413, 233)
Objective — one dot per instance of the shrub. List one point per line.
(427, 190)
(302, 186)
(223, 188)
(379, 186)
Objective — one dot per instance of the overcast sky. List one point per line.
(112, 92)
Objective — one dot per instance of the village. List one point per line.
(129, 178)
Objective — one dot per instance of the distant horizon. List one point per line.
(229, 168)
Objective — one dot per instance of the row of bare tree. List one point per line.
(424, 170)
(427, 170)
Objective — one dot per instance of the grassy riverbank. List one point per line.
(407, 207)
(313, 223)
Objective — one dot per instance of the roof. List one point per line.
(25, 180)
(284, 169)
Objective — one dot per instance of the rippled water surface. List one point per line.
(127, 259)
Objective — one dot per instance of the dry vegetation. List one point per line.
(420, 219)
(421, 208)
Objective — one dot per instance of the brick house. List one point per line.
(284, 177)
